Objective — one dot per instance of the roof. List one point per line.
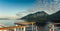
(26, 23)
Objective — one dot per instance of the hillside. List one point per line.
(55, 17)
(36, 17)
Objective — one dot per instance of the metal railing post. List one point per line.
(32, 26)
(24, 29)
(36, 28)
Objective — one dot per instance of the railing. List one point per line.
(13, 28)
(22, 27)
(52, 26)
(28, 24)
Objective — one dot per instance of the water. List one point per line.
(8, 22)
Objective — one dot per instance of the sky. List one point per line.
(15, 8)
(12, 7)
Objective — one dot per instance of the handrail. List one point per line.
(56, 23)
(6, 28)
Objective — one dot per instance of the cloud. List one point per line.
(49, 7)
(21, 14)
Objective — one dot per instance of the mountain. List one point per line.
(40, 16)
(55, 17)
(4, 18)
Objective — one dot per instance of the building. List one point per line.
(29, 25)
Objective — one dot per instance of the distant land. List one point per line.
(4, 19)
(42, 16)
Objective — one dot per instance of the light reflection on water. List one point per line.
(8, 22)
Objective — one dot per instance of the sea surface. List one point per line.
(9, 22)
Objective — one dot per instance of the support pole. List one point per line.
(50, 29)
(36, 28)
(21, 29)
(15, 29)
(53, 27)
(24, 29)
(32, 26)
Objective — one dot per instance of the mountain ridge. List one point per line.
(42, 15)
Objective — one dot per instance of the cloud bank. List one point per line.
(49, 6)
